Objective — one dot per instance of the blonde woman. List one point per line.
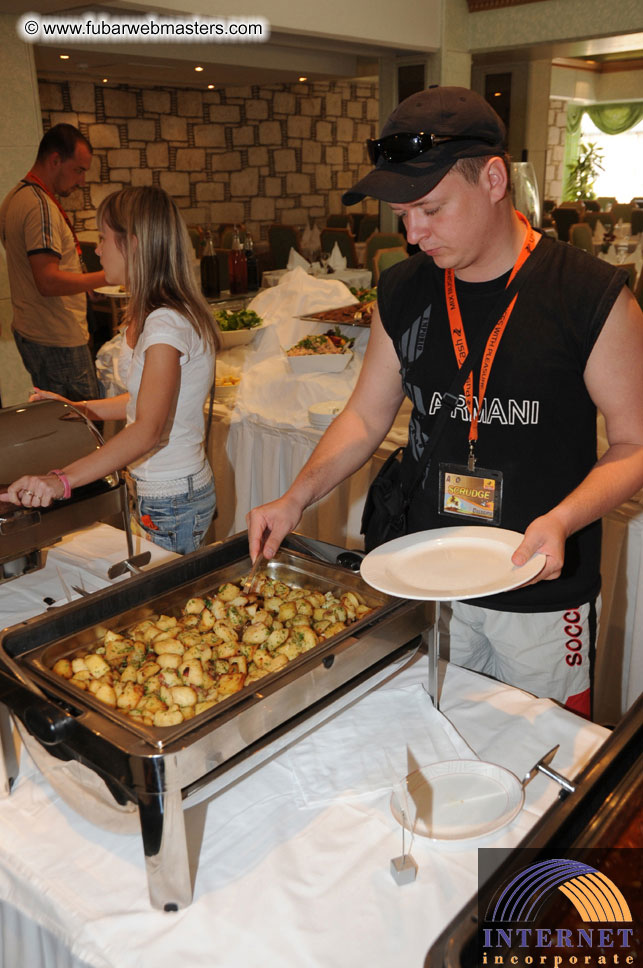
(168, 355)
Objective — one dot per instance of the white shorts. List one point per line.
(548, 654)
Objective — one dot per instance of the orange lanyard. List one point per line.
(32, 179)
(460, 342)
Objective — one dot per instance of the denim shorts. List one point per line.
(178, 522)
(68, 370)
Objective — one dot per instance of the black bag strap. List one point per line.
(451, 397)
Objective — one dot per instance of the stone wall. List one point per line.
(256, 155)
(554, 165)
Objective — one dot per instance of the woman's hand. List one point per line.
(37, 394)
(34, 492)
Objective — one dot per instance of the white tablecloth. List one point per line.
(294, 859)
(82, 559)
(357, 278)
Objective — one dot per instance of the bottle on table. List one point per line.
(252, 269)
(238, 267)
(210, 284)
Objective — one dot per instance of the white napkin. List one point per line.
(96, 549)
(337, 261)
(378, 747)
(599, 231)
(295, 259)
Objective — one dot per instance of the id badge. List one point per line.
(470, 495)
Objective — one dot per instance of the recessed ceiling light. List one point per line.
(64, 56)
(303, 78)
(210, 87)
(105, 80)
(198, 68)
(497, 93)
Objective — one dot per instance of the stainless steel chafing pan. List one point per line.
(34, 438)
(160, 769)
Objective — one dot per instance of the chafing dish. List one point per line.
(36, 437)
(604, 811)
(159, 770)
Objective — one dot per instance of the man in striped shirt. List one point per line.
(44, 263)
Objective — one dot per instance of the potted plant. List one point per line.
(583, 173)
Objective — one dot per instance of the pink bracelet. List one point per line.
(65, 482)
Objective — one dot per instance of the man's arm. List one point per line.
(614, 379)
(51, 280)
(348, 442)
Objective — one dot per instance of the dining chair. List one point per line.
(368, 224)
(382, 240)
(196, 238)
(281, 239)
(385, 258)
(621, 210)
(630, 267)
(344, 240)
(226, 234)
(637, 221)
(342, 221)
(606, 202)
(564, 218)
(592, 205)
(580, 235)
(638, 289)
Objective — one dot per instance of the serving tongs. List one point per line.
(253, 574)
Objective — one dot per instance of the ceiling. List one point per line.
(284, 58)
(281, 60)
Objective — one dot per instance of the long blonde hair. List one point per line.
(157, 250)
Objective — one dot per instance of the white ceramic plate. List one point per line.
(457, 800)
(114, 291)
(320, 362)
(320, 415)
(449, 563)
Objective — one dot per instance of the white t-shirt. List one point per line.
(180, 451)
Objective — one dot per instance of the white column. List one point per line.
(20, 133)
(537, 118)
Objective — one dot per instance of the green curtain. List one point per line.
(616, 118)
(608, 118)
(572, 141)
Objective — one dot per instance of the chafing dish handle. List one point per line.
(20, 521)
(46, 723)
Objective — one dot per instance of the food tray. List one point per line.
(356, 314)
(290, 567)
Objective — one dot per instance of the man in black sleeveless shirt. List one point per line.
(519, 450)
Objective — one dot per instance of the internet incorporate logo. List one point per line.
(594, 896)
(518, 903)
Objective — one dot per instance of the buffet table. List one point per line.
(292, 856)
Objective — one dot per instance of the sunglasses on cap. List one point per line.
(406, 146)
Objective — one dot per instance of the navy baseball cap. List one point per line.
(422, 140)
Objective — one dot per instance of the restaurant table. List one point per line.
(357, 278)
(292, 856)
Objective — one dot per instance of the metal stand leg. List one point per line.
(432, 638)
(166, 852)
(9, 766)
